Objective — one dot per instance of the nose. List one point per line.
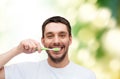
(56, 41)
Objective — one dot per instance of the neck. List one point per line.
(61, 64)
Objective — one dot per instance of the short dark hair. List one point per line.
(56, 19)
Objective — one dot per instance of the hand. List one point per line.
(29, 46)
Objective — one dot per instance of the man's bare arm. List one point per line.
(27, 46)
(2, 73)
(4, 58)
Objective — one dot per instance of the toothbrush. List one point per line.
(54, 49)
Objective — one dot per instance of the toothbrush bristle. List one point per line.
(56, 49)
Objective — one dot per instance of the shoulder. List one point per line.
(85, 72)
(25, 65)
(78, 67)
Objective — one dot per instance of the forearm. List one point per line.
(27, 46)
(4, 58)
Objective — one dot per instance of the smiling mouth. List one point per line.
(60, 48)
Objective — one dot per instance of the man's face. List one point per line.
(56, 36)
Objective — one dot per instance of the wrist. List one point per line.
(15, 51)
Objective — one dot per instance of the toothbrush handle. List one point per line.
(44, 48)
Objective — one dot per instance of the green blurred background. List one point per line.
(95, 26)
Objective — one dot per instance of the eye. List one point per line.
(49, 36)
(62, 36)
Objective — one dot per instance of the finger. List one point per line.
(38, 48)
(25, 45)
(31, 46)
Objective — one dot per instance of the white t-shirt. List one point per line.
(42, 70)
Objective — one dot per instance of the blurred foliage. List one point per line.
(113, 5)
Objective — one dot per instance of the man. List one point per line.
(56, 33)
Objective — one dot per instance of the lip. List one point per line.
(61, 47)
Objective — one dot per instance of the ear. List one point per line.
(70, 38)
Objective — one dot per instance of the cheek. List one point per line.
(47, 42)
(66, 42)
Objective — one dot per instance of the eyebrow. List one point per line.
(62, 32)
(49, 33)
